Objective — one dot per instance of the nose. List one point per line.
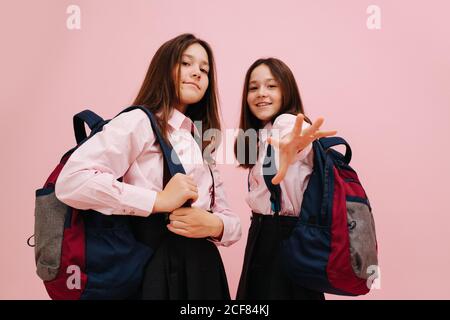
(261, 91)
(196, 73)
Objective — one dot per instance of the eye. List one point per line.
(252, 88)
(185, 63)
(204, 71)
(272, 86)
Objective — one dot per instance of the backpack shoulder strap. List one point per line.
(269, 171)
(329, 142)
(171, 158)
(86, 116)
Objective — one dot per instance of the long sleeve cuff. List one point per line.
(137, 201)
(231, 230)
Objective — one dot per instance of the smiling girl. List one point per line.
(271, 101)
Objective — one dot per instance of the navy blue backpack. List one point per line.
(333, 247)
(85, 254)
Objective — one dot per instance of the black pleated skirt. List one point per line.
(262, 276)
(181, 268)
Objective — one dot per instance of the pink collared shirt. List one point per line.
(126, 147)
(296, 179)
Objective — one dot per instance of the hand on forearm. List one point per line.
(195, 223)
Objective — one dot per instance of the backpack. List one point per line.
(84, 254)
(333, 246)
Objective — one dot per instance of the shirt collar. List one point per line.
(178, 120)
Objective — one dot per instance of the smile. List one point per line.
(263, 104)
(193, 84)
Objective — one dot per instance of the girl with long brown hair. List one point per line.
(273, 110)
(179, 89)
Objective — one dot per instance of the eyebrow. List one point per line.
(192, 57)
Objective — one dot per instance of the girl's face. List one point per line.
(264, 95)
(193, 78)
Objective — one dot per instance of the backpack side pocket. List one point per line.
(50, 215)
(363, 242)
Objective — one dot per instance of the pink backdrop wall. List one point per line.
(386, 91)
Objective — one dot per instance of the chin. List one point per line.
(265, 116)
(189, 97)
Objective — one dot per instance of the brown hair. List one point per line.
(160, 91)
(291, 103)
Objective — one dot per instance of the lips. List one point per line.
(193, 84)
(263, 104)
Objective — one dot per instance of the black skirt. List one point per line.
(262, 276)
(181, 268)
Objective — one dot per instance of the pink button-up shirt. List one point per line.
(297, 176)
(127, 147)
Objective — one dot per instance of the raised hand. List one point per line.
(296, 141)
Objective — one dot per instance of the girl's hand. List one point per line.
(178, 190)
(195, 223)
(296, 141)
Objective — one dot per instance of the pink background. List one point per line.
(386, 91)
